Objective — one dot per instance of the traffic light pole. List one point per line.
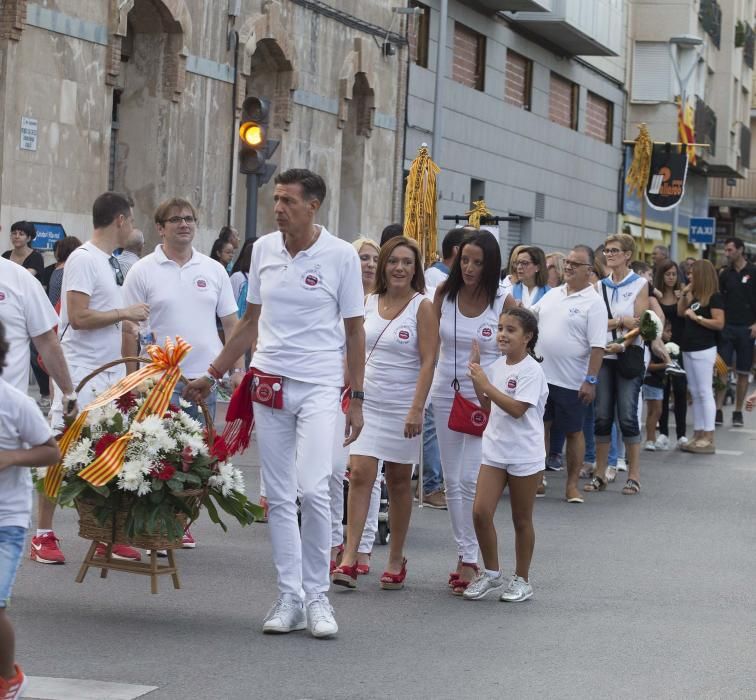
(250, 230)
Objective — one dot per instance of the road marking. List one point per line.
(742, 430)
(66, 688)
(732, 453)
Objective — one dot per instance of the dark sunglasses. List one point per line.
(117, 268)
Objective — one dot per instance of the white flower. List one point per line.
(673, 349)
(183, 403)
(195, 442)
(227, 479)
(155, 436)
(78, 456)
(189, 424)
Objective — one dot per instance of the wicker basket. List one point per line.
(91, 529)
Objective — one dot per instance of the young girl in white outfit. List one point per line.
(467, 305)
(513, 452)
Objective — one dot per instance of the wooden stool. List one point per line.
(153, 570)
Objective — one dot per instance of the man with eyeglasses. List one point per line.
(571, 337)
(92, 314)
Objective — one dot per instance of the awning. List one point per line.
(652, 234)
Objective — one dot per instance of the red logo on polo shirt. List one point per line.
(2, 296)
(512, 383)
(200, 283)
(311, 279)
(485, 333)
(403, 335)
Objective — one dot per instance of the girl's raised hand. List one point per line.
(478, 376)
(474, 353)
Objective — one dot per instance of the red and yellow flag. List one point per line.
(685, 126)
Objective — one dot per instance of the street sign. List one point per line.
(28, 134)
(48, 235)
(702, 230)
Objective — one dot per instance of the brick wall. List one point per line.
(12, 19)
(598, 118)
(518, 80)
(469, 57)
(562, 104)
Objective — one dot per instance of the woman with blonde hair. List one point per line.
(702, 307)
(555, 269)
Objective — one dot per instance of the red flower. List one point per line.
(104, 442)
(172, 408)
(187, 457)
(164, 472)
(126, 402)
(219, 450)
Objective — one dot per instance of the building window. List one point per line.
(519, 80)
(469, 57)
(115, 125)
(563, 101)
(599, 118)
(418, 35)
(652, 72)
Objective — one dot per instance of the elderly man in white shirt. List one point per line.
(303, 284)
(571, 337)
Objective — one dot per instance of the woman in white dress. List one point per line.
(468, 306)
(401, 337)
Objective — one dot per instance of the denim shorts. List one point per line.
(653, 393)
(737, 340)
(12, 540)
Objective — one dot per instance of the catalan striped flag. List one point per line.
(685, 126)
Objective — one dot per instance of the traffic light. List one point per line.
(254, 145)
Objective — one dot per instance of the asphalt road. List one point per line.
(647, 596)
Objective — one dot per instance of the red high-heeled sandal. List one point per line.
(335, 562)
(393, 582)
(346, 576)
(460, 584)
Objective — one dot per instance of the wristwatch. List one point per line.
(591, 379)
(210, 378)
(357, 395)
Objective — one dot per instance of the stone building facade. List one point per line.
(142, 96)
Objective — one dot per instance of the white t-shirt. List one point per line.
(569, 325)
(304, 301)
(434, 276)
(509, 440)
(184, 301)
(26, 312)
(88, 271)
(21, 424)
(622, 303)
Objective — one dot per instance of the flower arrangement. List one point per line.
(650, 328)
(166, 457)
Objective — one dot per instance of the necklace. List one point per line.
(388, 307)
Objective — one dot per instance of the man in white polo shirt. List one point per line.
(572, 323)
(93, 314)
(185, 291)
(302, 282)
(27, 315)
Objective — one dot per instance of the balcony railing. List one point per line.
(705, 126)
(743, 190)
(710, 14)
(745, 146)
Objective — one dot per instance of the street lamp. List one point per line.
(692, 45)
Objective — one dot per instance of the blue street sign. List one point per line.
(47, 235)
(702, 229)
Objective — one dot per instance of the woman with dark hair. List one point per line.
(222, 252)
(532, 278)
(401, 338)
(63, 248)
(668, 280)
(21, 235)
(239, 275)
(468, 306)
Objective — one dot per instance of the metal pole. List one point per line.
(440, 69)
(250, 230)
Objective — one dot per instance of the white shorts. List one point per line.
(516, 469)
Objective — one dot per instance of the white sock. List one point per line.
(492, 574)
(42, 532)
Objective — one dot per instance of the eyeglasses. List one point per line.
(113, 260)
(523, 263)
(570, 264)
(613, 251)
(178, 219)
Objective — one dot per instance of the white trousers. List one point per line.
(460, 461)
(700, 368)
(303, 427)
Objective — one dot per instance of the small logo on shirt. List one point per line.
(627, 295)
(574, 311)
(200, 283)
(2, 296)
(485, 333)
(311, 279)
(478, 418)
(403, 335)
(511, 383)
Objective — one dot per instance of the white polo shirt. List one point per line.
(26, 312)
(304, 301)
(88, 271)
(21, 424)
(184, 300)
(569, 326)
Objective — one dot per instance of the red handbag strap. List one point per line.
(398, 314)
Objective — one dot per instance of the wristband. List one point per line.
(213, 372)
(235, 370)
(357, 395)
(591, 379)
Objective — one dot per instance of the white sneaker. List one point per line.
(650, 446)
(483, 585)
(662, 442)
(621, 465)
(286, 615)
(320, 620)
(517, 591)
(681, 442)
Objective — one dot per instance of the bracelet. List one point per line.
(213, 372)
(235, 370)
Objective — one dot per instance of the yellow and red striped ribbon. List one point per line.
(164, 359)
